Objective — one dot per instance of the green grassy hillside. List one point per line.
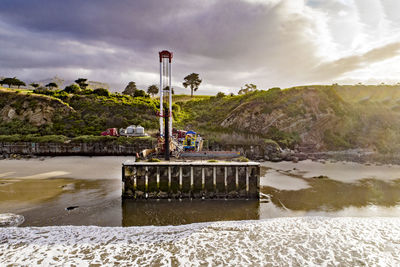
(321, 117)
(73, 114)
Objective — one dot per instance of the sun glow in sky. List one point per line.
(228, 42)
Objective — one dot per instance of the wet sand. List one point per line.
(43, 190)
(347, 172)
(75, 167)
(283, 180)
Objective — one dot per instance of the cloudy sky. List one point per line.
(228, 42)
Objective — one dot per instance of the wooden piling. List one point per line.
(190, 180)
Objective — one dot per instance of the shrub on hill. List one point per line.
(72, 89)
(101, 92)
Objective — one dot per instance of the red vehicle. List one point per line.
(179, 134)
(110, 132)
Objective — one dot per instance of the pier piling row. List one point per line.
(203, 180)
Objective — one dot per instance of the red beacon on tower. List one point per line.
(165, 54)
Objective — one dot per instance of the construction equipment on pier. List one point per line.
(192, 142)
(178, 143)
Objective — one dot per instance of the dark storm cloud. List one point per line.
(229, 42)
(142, 25)
(203, 34)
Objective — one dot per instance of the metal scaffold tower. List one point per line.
(165, 91)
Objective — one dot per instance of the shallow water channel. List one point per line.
(86, 191)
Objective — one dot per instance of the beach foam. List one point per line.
(281, 241)
(10, 219)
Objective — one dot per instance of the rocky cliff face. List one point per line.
(310, 118)
(36, 109)
(305, 112)
(37, 116)
(59, 113)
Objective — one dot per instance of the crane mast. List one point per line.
(166, 90)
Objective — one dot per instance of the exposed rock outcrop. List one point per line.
(307, 114)
(36, 109)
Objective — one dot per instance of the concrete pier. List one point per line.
(208, 180)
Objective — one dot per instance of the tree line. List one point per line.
(18, 83)
(191, 81)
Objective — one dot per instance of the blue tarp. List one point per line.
(191, 132)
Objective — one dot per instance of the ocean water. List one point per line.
(310, 214)
(317, 241)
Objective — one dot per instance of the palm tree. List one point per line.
(193, 81)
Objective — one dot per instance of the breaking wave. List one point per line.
(279, 241)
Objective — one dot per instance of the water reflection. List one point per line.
(329, 195)
(291, 193)
(164, 212)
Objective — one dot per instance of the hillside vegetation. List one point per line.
(318, 117)
(59, 113)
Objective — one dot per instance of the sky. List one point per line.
(270, 43)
